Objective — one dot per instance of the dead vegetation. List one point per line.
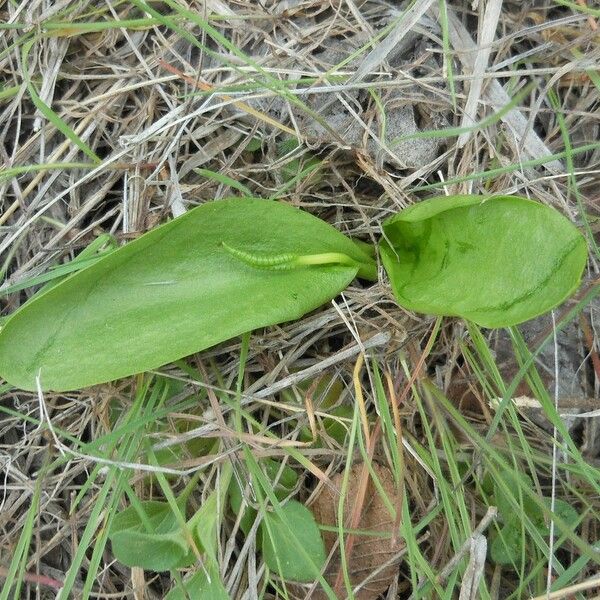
(115, 116)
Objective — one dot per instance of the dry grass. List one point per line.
(137, 107)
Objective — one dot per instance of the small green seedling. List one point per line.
(280, 550)
(508, 543)
(150, 535)
(286, 482)
(204, 584)
(231, 266)
(294, 558)
(296, 167)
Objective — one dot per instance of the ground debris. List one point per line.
(370, 552)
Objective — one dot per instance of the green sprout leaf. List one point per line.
(564, 511)
(511, 498)
(293, 167)
(507, 545)
(201, 586)
(291, 543)
(286, 482)
(206, 522)
(149, 534)
(177, 290)
(157, 544)
(496, 260)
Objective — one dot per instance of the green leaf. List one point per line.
(198, 587)
(224, 180)
(150, 535)
(293, 167)
(291, 543)
(177, 290)
(206, 520)
(506, 546)
(235, 503)
(287, 480)
(564, 511)
(156, 545)
(495, 260)
(506, 495)
(285, 484)
(253, 145)
(334, 428)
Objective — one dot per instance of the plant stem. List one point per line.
(365, 270)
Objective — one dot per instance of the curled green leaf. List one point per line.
(496, 260)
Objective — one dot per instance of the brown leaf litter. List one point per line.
(371, 565)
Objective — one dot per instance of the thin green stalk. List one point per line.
(573, 186)
(48, 112)
(493, 173)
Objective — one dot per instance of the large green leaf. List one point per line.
(497, 260)
(178, 289)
